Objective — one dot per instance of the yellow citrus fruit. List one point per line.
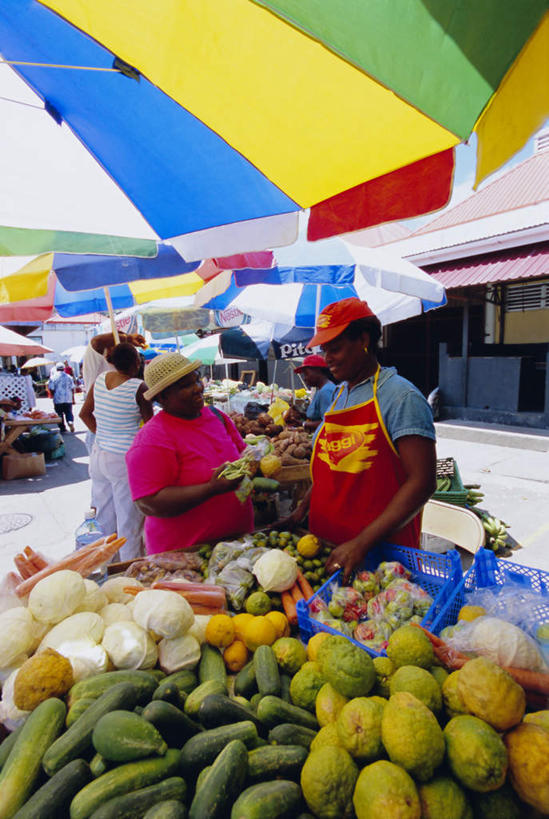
(309, 546)
(469, 613)
(259, 632)
(220, 630)
(235, 656)
(239, 623)
(314, 644)
(280, 622)
(258, 603)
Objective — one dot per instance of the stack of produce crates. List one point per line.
(448, 474)
(489, 571)
(437, 574)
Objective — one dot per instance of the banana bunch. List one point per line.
(474, 497)
(444, 484)
(496, 532)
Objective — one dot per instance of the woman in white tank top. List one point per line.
(113, 410)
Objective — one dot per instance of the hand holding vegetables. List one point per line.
(224, 479)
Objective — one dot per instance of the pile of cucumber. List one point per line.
(129, 744)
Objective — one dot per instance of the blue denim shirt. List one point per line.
(403, 408)
(322, 400)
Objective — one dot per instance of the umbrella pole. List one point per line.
(178, 344)
(114, 328)
(274, 378)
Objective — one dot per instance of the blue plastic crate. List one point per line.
(436, 574)
(488, 570)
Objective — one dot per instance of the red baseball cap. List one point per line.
(312, 361)
(336, 317)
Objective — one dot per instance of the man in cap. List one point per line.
(61, 387)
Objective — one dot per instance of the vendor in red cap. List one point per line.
(316, 375)
(374, 459)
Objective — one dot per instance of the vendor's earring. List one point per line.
(366, 350)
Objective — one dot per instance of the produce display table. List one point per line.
(295, 480)
(15, 428)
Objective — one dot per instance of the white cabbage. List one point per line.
(56, 596)
(95, 597)
(114, 589)
(130, 606)
(198, 628)
(115, 612)
(85, 625)
(166, 613)
(16, 635)
(179, 653)
(86, 657)
(504, 644)
(129, 646)
(10, 715)
(15, 665)
(275, 571)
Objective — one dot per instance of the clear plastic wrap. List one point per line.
(499, 641)
(237, 583)
(390, 570)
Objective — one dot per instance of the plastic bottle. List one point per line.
(88, 531)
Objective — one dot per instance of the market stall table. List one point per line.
(16, 427)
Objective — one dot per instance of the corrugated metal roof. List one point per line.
(527, 262)
(525, 184)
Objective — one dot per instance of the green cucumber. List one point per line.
(185, 680)
(167, 810)
(218, 709)
(285, 681)
(77, 740)
(211, 665)
(193, 701)
(170, 692)
(255, 700)
(275, 761)
(98, 765)
(268, 800)
(23, 766)
(273, 710)
(55, 796)
(77, 709)
(6, 745)
(265, 484)
(144, 682)
(201, 777)
(222, 784)
(245, 684)
(266, 671)
(122, 780)
(157, 673)
(122, 736)
(202, 749)
(137, 803)
(174, 726)
(286, 733)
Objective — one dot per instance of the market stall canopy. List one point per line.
(37, 362)
(258, 339)
(208, 350)
(355, 93)
(15, 344)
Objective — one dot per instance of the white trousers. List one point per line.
(116, 512)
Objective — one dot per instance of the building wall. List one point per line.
(528, 327)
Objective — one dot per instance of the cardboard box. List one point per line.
(23, 465)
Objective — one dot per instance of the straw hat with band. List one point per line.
(336, 317)
(165, 370)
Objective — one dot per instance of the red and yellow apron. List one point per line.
(356, 471)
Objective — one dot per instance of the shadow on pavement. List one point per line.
(71, 469)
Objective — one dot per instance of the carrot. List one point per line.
(304, 584)
(132, 590)
(296, 593)
(289, 608)
(22, 564)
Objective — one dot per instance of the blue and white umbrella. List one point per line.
(255, 340)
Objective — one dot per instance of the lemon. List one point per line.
(308, 546)
(259, 632)
(258, 603)
(280, 622)
(220, 630)
(239, 624)
(469, 613)
(235, 656)
(314, 644)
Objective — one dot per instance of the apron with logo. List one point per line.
(356, 471)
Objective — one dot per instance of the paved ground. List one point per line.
(513, 469)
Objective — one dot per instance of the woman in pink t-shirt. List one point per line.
(175, 461)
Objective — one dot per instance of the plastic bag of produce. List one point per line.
(390, 570)
(500, 641)
(224, 553)
(347, 603)
(237, 582)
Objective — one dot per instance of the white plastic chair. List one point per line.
(459, 526)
